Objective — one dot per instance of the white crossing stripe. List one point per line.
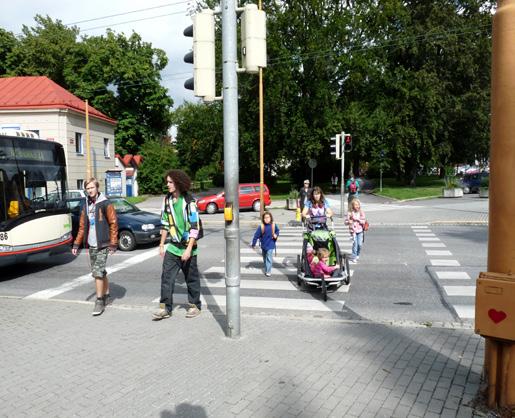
(438, 252)
(279, 251)
(428, 239)
(419, 226)
(267, 303)
(433, 244)
(253, 270)
(460, 290)
(79, 281)
(425, 234)
(465, 311)
(258, 284)
(449, 263)
(452, 275)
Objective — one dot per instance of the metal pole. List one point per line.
(499, 354)
(231, 166)
(381, 177)
(342, 182)
(312, 184)
(261, 141)
(88, 150)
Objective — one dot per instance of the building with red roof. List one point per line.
(40, 105)
(130, 164)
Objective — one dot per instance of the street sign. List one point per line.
(312, 163)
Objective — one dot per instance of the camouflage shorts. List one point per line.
(98, 260)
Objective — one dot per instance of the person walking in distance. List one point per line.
(267, 234)
(98, 231)
(356, 220)
(179, 219)
(352, 187)
(334, 183)
(304, 194)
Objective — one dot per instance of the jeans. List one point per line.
(172, 264)
(268, 259)
(356, 244)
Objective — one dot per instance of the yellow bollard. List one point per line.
(297, 215)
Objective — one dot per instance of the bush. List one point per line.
(484, 182)
(294, 194)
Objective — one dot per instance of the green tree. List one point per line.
(7, 44)
(158, 157)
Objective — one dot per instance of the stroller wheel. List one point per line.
(346, 273)
(324, 290)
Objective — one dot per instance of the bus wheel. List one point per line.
(126, 241)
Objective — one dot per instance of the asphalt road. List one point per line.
(406, 274)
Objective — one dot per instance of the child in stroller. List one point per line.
(321, 268)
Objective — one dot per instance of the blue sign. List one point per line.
(114, 183)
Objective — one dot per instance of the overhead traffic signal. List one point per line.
(336, 146)
(253, 38)
(347, 143)
(202, 56)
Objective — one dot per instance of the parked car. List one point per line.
(470, 182)
(249, 199)
(134, 225)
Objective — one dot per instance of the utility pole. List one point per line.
(342, 182)
(231, 167)
(495, 290)
(88, 144)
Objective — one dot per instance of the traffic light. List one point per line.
(336, 146)
(347, 143)
(202, 57)
(253, 38)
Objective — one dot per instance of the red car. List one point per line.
(249, 198)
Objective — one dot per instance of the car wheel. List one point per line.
(211, 208)
(256, 206)
(126, 241)
(466, 190)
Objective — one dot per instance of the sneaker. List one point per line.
(161, 314)
(353, 261)
(99, 307)
(357, 257)
(268, 274)
(192, 311)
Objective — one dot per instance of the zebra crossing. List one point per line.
(457, 285)
(278, 292)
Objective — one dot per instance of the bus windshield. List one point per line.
(32, 179)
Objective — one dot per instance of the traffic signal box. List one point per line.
(347, 143)
(495, 306)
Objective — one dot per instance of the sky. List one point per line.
(161, 24)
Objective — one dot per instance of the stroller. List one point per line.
(318, 235)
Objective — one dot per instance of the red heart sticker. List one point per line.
(497, 316)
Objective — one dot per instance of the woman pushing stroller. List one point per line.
(317, 206)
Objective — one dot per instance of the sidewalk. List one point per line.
(59, 361)
(468, 210)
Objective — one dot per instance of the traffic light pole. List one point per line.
(342, 185)
(231, 166)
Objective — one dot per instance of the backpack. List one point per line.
(263, 229)
(188, 199)
(353, 187)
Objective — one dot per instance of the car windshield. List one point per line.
(122, 206)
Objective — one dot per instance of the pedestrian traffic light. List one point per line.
(202, 56)
(253, 38)
(347, 143)
(336, 146)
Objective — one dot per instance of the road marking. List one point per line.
(448, 263)
(253, 270)
(267, 303)
(438, 252)
(452, 275)
(425, 234)
(428, 239)
(460, 290)
(79, 281)
(433, 244)
(258, 284)
(465, 311)
(419, 226)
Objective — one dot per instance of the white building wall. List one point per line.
(61, 126)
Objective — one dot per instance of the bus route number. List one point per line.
(3, 236)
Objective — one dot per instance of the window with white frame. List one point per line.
(79, 143)
(80, 184)
(106, 148)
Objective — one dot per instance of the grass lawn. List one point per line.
(426, 187)
(136, 199)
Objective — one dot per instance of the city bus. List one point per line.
(34, 219)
